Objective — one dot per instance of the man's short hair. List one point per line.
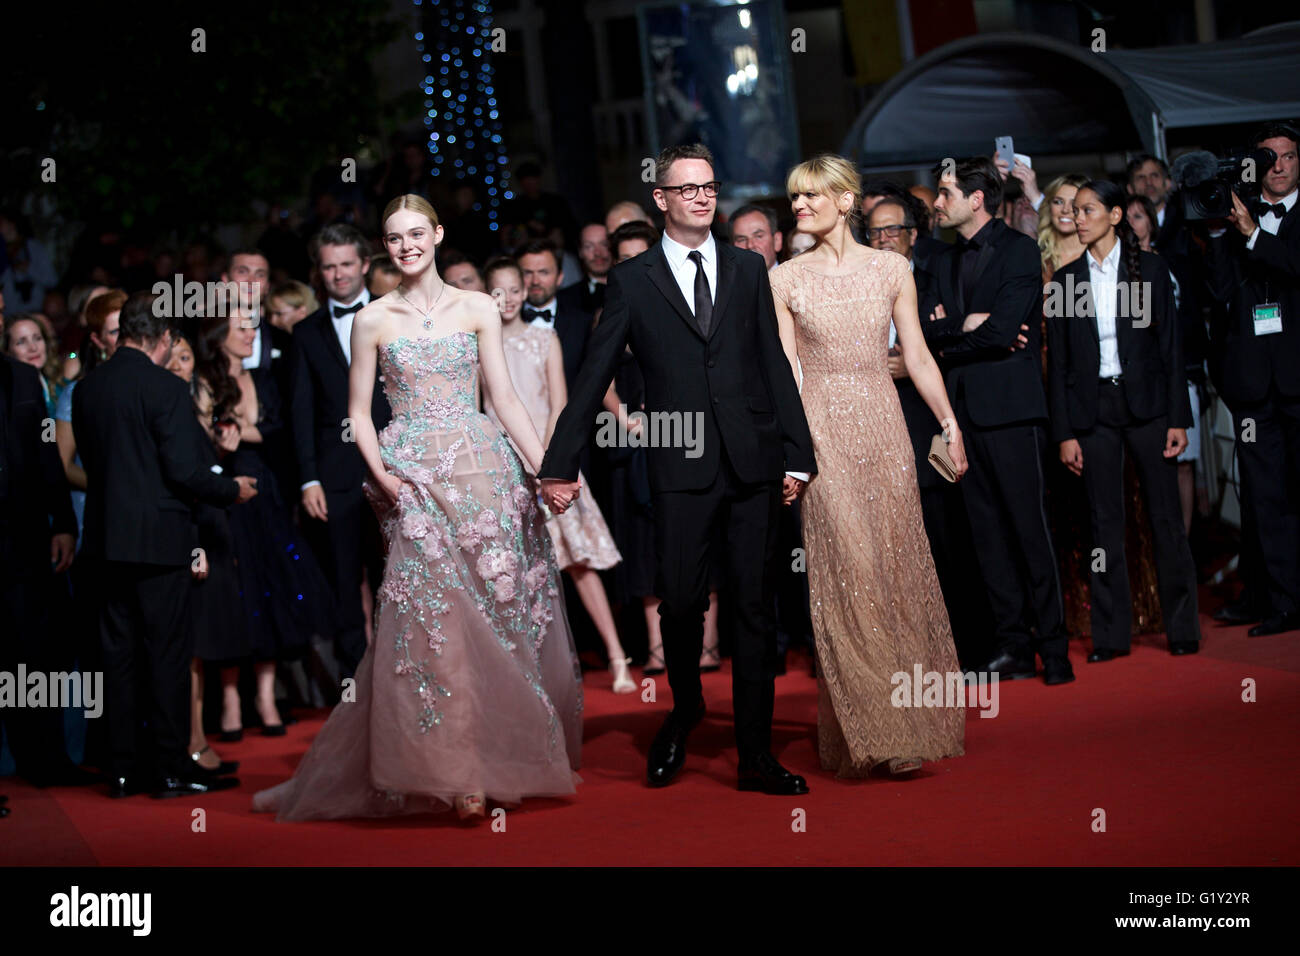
(670, 154)
(385, 265)
(1138, 161)
(247, 251)
(636, 229)
(748, 210)
(975, 173)
(883, 187)
(909, 215)
(535, 246)
(339, 234)
(138, 323)
(1273, 130)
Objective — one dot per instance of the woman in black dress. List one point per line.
(283, 594)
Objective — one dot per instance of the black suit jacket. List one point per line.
(318, 404)
(994, 385)
(578, 297)
(921, 423)
(1242, 279)
(1151, 357)
(737, 378)
(140, 445)
(34, 499)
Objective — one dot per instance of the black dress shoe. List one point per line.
(1105, 654)
(187, 786)
(1276, 624)
(668, 751)
(1235, 612)
(120, 787)
(1057, 670)
(765, 775)
(1009, 667)
(1179, 648)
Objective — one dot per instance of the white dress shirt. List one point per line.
(1103, 278)
(546, 321)
(343, 323)
(254, 360)
(1270, 222)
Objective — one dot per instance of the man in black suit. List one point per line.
(540, 262)
(139, 443)
(990, 285)
(700, 319)
(1255, 270)
(1117, 386)
(593, 252)
(37, 540)
(329, 466)
(892, 226)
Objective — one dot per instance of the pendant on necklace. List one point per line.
(428, 323)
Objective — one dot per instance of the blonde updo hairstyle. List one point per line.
(417, 204)
(828, 175)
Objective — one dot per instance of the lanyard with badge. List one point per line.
(1267, 315)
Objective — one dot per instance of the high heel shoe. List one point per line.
(472, 806)
(654, 664)
(710, 659)
(898, 766)
(623, 682)
(231, 736)
(223, 768)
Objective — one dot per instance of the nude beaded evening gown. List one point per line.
(876, 605)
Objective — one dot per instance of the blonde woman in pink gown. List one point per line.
(583, 543)
(471, 689)
(877, 609)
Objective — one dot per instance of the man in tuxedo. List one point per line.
(990, 286)
(330, 468)
(891, 226)
(1255, 270)
(700, 319)
(593, 252)
(139, 443)
(539, 261)
(37, 540)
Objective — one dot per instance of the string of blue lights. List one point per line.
(464, 122)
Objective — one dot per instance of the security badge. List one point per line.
(1268, 318)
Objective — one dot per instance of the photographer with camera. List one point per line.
(1255, 272)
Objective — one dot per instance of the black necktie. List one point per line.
(1263, 208)
(703, 300)
(342, 310)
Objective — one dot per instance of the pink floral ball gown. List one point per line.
(472, 682)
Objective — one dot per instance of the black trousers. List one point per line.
(1103, 480)
(793, 611)
(351, 541)
(686, 527)
(1003, 492)
(28, 636)
(147, 647)
(1270, 467)
(955, 562)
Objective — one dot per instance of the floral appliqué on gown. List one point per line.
(877, 609)
(472, 682)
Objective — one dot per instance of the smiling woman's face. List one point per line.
(1063, 209)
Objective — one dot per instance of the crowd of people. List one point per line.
(273, 520)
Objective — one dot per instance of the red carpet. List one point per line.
(1186, 772)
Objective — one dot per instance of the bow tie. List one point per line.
(341, 310)
(1263, 208)
(531, 313)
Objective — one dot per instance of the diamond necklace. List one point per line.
(428, 316)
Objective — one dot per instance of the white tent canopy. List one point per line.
(1054, 97)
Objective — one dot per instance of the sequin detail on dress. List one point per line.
(876, 605)
(472, 682)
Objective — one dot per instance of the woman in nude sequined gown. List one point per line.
(876, 605)
(583, 544)
(471, 689)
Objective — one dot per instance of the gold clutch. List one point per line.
(939, 458)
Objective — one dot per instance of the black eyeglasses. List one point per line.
(688, 190)
(891, 231)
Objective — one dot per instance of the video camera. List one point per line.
(1207, 182)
